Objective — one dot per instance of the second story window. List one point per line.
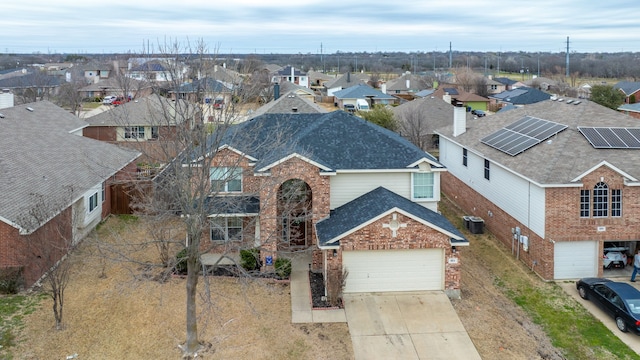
(616, 202)
(226, 179)
(585, 203)
(487, 169)
(423, 186)
(601, 200)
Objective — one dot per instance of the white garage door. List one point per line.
(394, 270)
(575, 259)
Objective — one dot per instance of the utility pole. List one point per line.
(450, 56)
(322, 59)
(567, 61)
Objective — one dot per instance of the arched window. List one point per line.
(600, 200)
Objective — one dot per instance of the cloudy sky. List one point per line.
(276, 26)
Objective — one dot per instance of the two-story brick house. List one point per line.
(555, 181)
(359, 197)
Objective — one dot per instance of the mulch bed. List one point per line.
(318, 300)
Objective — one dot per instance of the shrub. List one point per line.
(283, 268)
(181, 262)
(11, 280)
(250, 259)
(335, 284)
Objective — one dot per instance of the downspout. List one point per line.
(324, 275)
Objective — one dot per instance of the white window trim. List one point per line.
(226, 171)
(226, 230)
(435, 188)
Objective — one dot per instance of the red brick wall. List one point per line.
(102, 133)
(38, 251)
(414, 236)
(562, 223)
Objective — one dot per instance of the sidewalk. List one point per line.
(301, 311)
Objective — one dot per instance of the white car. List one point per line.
(108, 99)
(614, 257)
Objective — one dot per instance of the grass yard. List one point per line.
(112, 312)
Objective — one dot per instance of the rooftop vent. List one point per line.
(295, 109)
(559, 100)
(569, 101)
(577, 102)
(1, 116)
(30, 109)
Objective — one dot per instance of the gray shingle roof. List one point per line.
(335, 140)
(347, 80)
(628, 87)
(285, 105)
(150, 110)
(566, 155)
(371, 205)
(630, 107)
(434, 112)
(39, 155)
(522, 96)
(361, 91)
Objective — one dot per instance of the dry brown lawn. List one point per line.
(111, 312)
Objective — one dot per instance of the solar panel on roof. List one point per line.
(612, 138)
(522, 135)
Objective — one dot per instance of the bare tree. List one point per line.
(189, 189)
(45, 250)
(415, 128)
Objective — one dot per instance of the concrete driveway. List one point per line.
(411, 325)
(629, 338)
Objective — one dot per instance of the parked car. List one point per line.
(109, 99)
(478, 113)
(614, 257)
(349, 108)
(618, 299)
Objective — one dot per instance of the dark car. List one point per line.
(618, 299)
(478, 113)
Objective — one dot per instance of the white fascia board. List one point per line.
(232, 215)
(223, 147)
(428, 161)
(607, 164)
(290, 156)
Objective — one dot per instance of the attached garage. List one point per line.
(394, 270)
(575, 259)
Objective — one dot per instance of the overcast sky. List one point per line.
(275, 26)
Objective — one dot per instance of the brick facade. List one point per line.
(562, 219)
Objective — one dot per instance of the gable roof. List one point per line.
(522, 96)
(41, 156)
(628, 87)
(335, 141)
(416, 83)
(361, 91)
(30, 80)
(505, 81)
(286, 105)
(347, 80)
(433, 111)
(287, 71)
(564, 157)
(373, 205)
(630, 108)
(149, 110)
(116, 85)
(205, 84)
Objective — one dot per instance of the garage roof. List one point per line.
(373, 205)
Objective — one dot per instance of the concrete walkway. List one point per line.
(301, 310)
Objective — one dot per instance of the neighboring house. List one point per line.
(408, 83)
(456, 96)
(95, 72)
(368, 206)
(289, 103)
(541, 83)
(520, 97)
(632, 110)
(508, 83)
(300, 91)
(214, 96)
(292, 75)
(425, 93)
(418, 120)
(145, 125)
(584, 91)
(55, 183)
(630, 89)
(120, 86)
(154, 70)
(319, 79)
(554, 181)
(32, 85)
(494, 87)
(362, 92)
(345, 81)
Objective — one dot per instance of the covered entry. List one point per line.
(394, 270)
